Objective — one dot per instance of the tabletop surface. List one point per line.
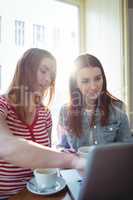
(26, 195)
(61, 195)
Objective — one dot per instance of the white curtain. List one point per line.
(104, 40)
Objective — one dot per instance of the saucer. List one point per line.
(32, 187)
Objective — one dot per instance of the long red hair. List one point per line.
(25, 80)
(76, 99)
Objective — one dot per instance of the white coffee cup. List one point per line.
(83, 151)
(45, 178)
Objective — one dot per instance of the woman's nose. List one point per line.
(93, 85)
(46, 80)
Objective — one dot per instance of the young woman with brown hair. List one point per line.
(93, 115)
(25, 124)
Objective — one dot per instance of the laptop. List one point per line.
(109, 174)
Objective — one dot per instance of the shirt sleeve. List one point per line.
(124, 134)
(3, 109)
(62, 129)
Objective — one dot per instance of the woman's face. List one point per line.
(45, 73)
(90, 82)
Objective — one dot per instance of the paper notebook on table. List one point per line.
(73, 181)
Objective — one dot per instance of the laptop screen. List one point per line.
(109, 173)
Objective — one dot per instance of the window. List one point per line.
(19, 33)
(56, 36)
(0, 27)
(50, 24)
(38, 35)
(0, 75)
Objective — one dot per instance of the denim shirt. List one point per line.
(117, 129)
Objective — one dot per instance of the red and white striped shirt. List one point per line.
(14, 178)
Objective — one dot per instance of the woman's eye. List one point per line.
(98, 78)
(84, 81)
(43, 72)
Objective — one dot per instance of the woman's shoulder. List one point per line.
(64, 107)
(118, 106)
(3, 100)
(44, 109)
(4, 106)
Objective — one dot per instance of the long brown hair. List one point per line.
(25, 80)
(76, 99)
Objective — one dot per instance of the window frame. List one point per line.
(82, 31)
(0, 28)
(19, 32)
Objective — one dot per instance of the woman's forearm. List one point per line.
(32, 155)
(25, 153)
